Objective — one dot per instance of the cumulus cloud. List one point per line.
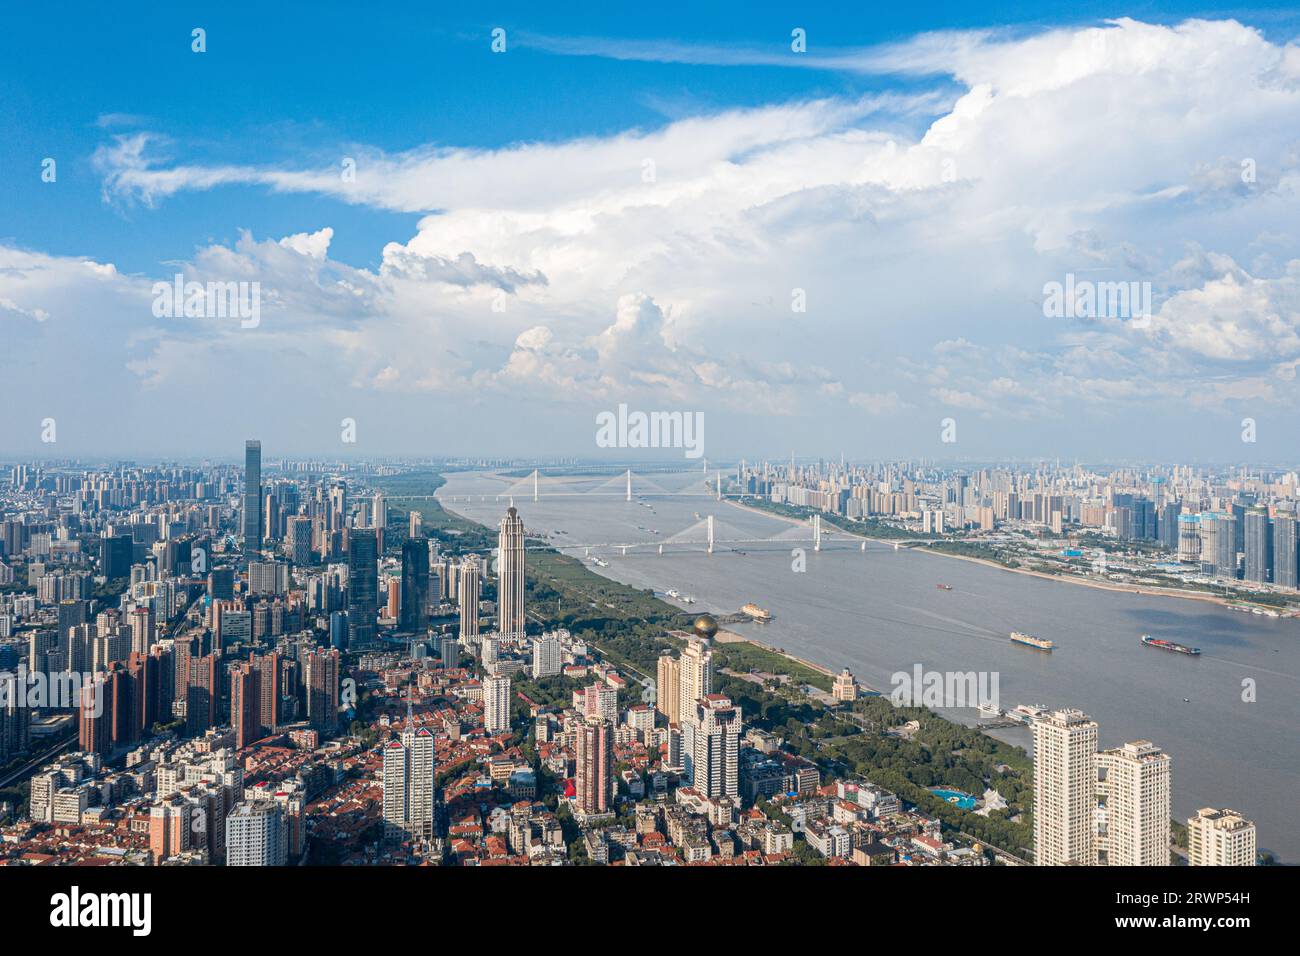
(845, 259)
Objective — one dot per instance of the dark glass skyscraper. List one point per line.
(115, 555)
(363, 585)
(252, 526)
(1169, 525)
(1225, 546)
(1284, 551)
(1259, 547)
(415, 585)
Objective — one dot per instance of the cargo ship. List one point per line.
(1150, 641)
(1040, 643)
(759, 614)
(944, 587)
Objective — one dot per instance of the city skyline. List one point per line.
(441, 443)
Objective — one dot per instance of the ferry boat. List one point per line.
(1150, 641)
(1027, 713)
(1040, 643)
(759, 614)
(944, 587)
(989, 710)
(673, 593)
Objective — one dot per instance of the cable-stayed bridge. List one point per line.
(627, 485)
(711, 534)
(708, 533)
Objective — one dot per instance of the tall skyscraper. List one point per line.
(449, 651)
(711, 746)
(1259, 547)
(467, 597)
(1220, 838)
(496, 704)
(321, 678)
(1132, 813)
(415, 586)
(116, 554)
(668, 688)
(595, 765)
(510, 576)
(298, 540)
(1284, 551)
(15, 718)
(695, 674)
(252, 517)
(408, 780)
(1169, 525)
(1065, 743)
(1225, 546)
(363, 586)
(202, 693)
(243, 704)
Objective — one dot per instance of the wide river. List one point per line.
(879, 612)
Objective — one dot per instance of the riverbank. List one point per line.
(1219, 599)
(725, 637)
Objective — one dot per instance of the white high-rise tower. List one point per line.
(1065, 745)
(467, 597)
(1220, 838)
(1132, 815)
(510, 576)
(496, 704)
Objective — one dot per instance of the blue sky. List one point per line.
(301, 79)
(286, 90)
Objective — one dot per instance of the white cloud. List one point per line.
(920, 228)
